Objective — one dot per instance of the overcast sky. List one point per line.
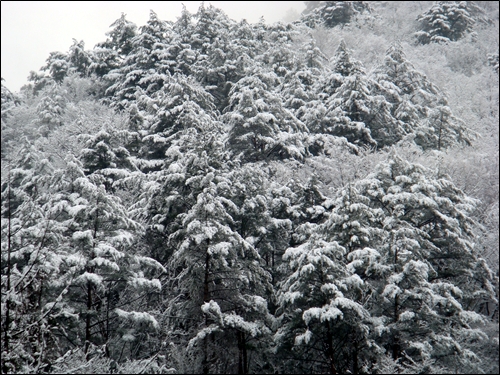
(33, 29)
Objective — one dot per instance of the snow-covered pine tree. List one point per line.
(217, 284)
(222, 284)
(349, 105)
(50, 108)
(30, 238)
(418, 105)
(448, 21)
(97, 263)
(146, 66)
(259, 126)
(104, 154)
(333, 13)
(78, 58)
(70, 255)
(211, 24)
(181, 104)
(108, 55)
(320, 314)
(298, 85)
(57, 65)
(419, 265)
(120, 37)
(279, 54)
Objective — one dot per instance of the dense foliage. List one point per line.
(212, 196)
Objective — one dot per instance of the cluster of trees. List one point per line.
(212, 196)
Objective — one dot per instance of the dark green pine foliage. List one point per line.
(449, 21)
(146, 68)
(57, 65)
(104, 154)
(180, 105)
(259, 126)
(108, 55)
(279, 54)
(320, 317)
(419, 106)
(413, 247)
(79, 59)
(334, 13)
(222, 60)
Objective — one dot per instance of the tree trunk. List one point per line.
(87, 319)
(206, 298)
(242, 354)
(7, 304)
(88, 334)
(395, 345)
(329, 343)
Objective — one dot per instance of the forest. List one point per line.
(211, 196)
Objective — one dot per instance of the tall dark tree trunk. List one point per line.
(440, 131)
(242, 354)
(88, 333)
(395, 344)
(9, 270)
(206, 298)
(355, 366)
(87, 319)
(330, 353)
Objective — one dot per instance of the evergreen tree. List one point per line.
(180, 105)
(30, 237)
(120, 37)
(418, 262)
(419, 106)
(279, 54)
(57, 65)
(50, 109)
(146, 67)
(260, 127)
(78, 58)
(446, 21)
(222, 283)
(318, 309)
(298, 88)
(333, 13)
(190, 207)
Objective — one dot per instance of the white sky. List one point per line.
(33, 29)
